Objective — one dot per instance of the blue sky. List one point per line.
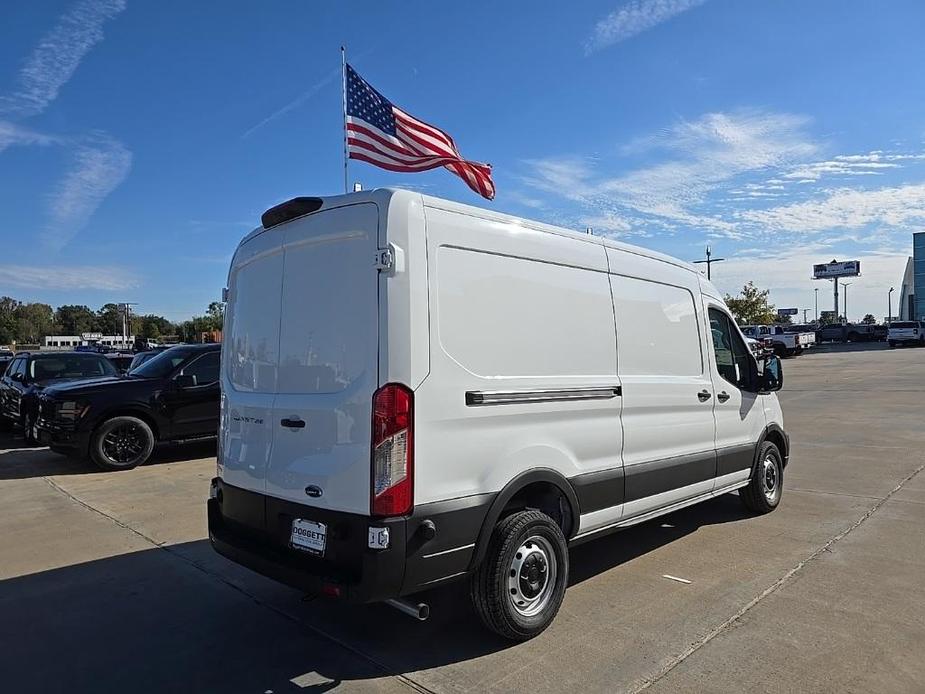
(140, 141)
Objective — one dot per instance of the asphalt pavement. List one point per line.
(107, 583)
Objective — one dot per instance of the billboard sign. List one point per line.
(827, 271)
(91, 336)
(787, 311)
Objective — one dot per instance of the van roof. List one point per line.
(386, 195)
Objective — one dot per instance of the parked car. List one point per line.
(458, 409)
(121, 360)
(906, 332)
(143, 357)
(850, 332)
(30, 373)
(6, 356)
(785, 343)
(118, 421)
(761, 347)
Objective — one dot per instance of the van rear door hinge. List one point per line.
(385, 259)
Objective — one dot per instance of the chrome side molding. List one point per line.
(476, 398)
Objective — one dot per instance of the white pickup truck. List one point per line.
(785, 344)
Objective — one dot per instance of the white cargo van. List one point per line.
(417, 391)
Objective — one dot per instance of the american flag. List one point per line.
(380, 133)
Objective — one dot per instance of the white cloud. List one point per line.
(703, 155)
(58, 55)
(845, 208)
(100, 165)
(633, 18)
(12, 134)
(788, 275)
(295, 103)
(66, 277)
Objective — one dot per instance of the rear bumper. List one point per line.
(253, 530)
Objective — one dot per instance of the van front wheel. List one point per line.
(519, 587)
(764, 490)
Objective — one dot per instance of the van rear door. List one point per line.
(250, 358)
(328, 360)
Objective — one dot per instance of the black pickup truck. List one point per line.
(117, 421)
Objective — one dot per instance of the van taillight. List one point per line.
(392, 451)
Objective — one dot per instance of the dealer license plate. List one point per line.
(308, 536)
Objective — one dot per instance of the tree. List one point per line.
(216, 312)
(34, 322)
(151, 326)
(108, 320)
(786, 319)
(74, 320)
(869, 319)
(8, 324)
(752, 307)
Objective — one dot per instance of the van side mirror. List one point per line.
(186, 381)
(771, 377)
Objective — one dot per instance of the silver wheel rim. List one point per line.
(771, 478)
(532, 576)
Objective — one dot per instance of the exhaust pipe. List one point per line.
(420, 611)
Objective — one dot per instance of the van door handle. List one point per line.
(723, 397)
(292, 423)
(704, 395)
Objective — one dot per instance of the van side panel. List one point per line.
(668, 447)
(514, 311)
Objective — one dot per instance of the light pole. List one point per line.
(709, 260)
(816, 291)
(889, 305)
(846, 285)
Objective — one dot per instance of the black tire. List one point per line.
(765, 488)
(121, 443)
(489, 586)
(27, 422)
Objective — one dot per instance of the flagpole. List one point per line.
(343, 65)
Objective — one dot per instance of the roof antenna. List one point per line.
(589, 231)
(357, 187)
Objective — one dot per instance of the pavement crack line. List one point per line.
(384, 669)
(773, 588)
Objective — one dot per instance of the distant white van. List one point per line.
(417, 391)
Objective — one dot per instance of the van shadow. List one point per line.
(20, 460)
(186, 619)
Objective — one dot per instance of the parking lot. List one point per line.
(108, 583)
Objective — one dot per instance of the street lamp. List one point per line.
(846, 285)
(817, 303)
(889, 305)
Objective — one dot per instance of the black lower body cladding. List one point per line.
(253, 530)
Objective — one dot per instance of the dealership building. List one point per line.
(72, 341)
(912, 286)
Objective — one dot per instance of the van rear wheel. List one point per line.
(519, 586)
(121, 443)
(764, 490)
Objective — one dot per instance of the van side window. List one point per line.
(731, 353)
(657, 331)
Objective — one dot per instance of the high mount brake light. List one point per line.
(392, 492)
